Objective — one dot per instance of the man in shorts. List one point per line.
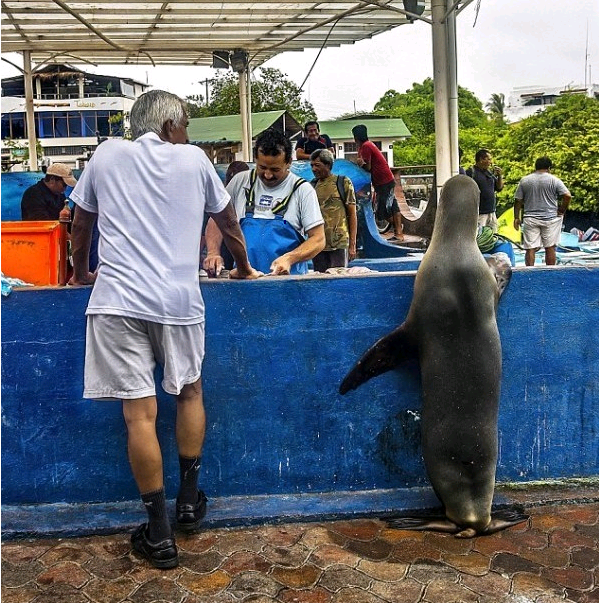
(149, 195)
(383, 181)
(540, 203)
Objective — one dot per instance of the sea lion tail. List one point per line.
(384, 355)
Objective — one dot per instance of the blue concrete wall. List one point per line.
(277, 350)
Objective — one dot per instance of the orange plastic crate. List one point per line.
(31, 251)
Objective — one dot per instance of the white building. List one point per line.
(525, 101)
(73, 111)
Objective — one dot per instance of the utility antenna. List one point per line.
(586, 58)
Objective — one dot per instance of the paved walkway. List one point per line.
(553, 557)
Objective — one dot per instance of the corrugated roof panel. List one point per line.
(187, 32)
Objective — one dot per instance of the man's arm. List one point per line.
(563, 206)
(226, 222)
(498, 173)
(81, 236)
(518, 210)
(301, 154)
(213, 263)
(306, 251)
(329, 143)
(364, 159)
(352, 218)
(352, 221)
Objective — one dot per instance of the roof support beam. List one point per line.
(441, 81)
(29, 114)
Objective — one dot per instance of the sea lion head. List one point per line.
(458, 207)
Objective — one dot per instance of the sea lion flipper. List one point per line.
(384, 355)
(501, 267)
(433, 523)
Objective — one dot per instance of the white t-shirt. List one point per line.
(303, 211)
(150, 198)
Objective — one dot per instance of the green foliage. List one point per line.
(20, 149)
(271, 91)
(417, 108)
(496, 105)
(568, 133)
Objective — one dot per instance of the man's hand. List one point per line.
(213, 264)
(248, 276)
(360, 162)
(517, 224)
(280, 266)
(351, 252)
(90, 279)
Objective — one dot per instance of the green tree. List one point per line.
(417, 108)
(568, 133)
(271, 91)
(496, 105)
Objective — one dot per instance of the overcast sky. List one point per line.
(513, 43)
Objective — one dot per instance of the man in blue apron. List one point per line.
(278, 212)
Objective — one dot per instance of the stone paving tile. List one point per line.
(406, 590)
(552, 557)
(314, 595)
(445, 591)
(330, 554)
(585, 557)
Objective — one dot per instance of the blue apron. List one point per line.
(268, 239)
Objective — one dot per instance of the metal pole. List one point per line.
(245, 140)
(440, 69)
(29, 114)
(249, 113)
(452, 59)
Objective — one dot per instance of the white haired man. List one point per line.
(149, 195)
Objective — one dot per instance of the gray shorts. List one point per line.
(121, 354)
(538, 233)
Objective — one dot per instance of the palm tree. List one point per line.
(496, 105)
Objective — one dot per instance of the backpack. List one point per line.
(340, 187)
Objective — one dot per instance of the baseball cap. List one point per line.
(62, 171)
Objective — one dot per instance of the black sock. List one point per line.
(189, 471)
(159, 527)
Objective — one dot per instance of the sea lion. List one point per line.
(451, 327)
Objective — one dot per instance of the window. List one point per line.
(74, 120)
(103, 125)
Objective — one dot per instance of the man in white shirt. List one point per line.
(149, 196)
(279, 213)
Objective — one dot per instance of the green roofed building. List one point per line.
(220, 136)
(382, 131)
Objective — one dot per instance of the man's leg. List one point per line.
(190, 430)
(397, 225)
(191, 420)
(145, 458)
(550, 256)
(529, 257)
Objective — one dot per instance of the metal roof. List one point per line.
(227, 128)
(186, 32)
(393, 127)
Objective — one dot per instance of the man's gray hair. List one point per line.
(324, 155)
(153, 109)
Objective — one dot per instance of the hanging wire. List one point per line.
(319, 52)
(476, 12)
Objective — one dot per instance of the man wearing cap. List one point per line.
(44, 200)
